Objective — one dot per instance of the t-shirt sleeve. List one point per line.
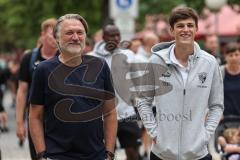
(108, 82)
(24, 73)
(38, 86)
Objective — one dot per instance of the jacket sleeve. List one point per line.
(145, 87)
(215, 101)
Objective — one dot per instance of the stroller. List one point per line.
(227, 122)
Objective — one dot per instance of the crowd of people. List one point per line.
(80, 95)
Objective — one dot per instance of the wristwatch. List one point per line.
(41, 155)
(110, 154)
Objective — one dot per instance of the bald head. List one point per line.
(150, 39)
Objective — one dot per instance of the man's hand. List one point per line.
(21, 97)
(21, 131)
(109, 155)
(3, 118)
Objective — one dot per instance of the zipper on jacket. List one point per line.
(180, 124)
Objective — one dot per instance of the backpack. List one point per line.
(32, 64)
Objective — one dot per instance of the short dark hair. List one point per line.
(108, 27)
(182, 13)
(231, 47)
(69, 16)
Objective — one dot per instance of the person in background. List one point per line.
(230, 143)
(29, 62)
(135, 44)
(4, 76)
(3, 117)
(231, 79)
(212, 46)
(143, 56)
(8, 71)
(13, 66)
(148, 41)
(89, 45)
(97, 37)
(119, 60)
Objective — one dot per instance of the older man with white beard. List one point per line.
(73, 98)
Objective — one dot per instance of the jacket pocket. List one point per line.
(165, 146)
(196, 145)
(207, 137)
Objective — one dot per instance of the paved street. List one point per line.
(9, 142)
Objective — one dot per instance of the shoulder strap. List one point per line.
(222, 69)
(33, 59)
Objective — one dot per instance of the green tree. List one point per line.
(20, 19)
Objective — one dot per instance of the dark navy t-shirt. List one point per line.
(231, 94)
(72, 100)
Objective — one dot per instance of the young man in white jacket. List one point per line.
(186, 82)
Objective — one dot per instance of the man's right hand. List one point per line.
(21, 131)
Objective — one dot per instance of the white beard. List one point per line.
(73, 49)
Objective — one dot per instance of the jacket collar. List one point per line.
(163, 50)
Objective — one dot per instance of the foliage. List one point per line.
(20, 20)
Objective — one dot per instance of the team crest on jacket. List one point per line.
(202, 77)
(166, 74)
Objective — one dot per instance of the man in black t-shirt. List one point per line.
(4, 75)
(72, 112)
(29, 61)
